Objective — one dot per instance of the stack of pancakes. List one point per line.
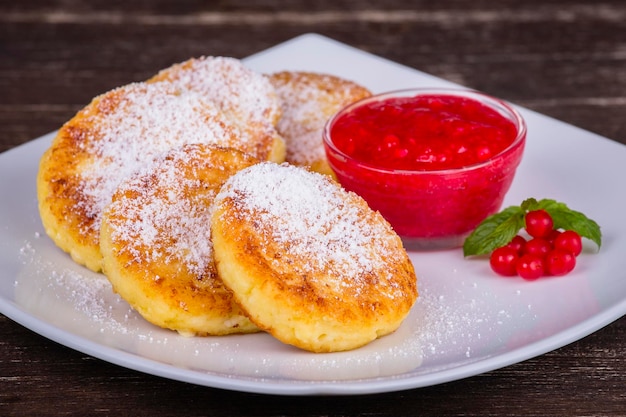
(196, 193)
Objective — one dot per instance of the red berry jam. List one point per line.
(435, 163)
(425, 132)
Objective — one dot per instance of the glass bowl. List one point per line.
(430, 201)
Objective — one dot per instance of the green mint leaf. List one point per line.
(529, 204)
(568, 219)
(495, 231)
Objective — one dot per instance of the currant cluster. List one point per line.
(548, 251)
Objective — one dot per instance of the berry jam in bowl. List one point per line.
(434, 162)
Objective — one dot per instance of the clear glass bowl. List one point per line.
(431, 209)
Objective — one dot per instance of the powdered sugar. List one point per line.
(308, 101)
(317, 223)
(138, 122)
(162, 213)
(236, 90)
(71, 296)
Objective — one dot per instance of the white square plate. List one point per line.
(466, 321)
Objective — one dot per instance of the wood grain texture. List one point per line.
(566, 59)
(561, 58)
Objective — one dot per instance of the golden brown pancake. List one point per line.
(244, 95)
(309, 262)
(156, 242)
(308, 100)
(107, 141)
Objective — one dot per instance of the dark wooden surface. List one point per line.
(563, 58)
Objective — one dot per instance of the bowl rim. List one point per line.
(492, 101)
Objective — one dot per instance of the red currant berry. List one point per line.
(538, 247)
(530, 267)
(503, 261)
(560, 262)
(518, 243)
(539, 223)
(554, 233)
(570, 241)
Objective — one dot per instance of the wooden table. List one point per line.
(566, 59)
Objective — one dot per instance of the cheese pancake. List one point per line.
(107, 141)
(156, 242)
(309, 262)
(308, 100)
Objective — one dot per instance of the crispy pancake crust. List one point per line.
(308, 100)
(309, 262)
(246, 96)
(108, 140)
(155, 239)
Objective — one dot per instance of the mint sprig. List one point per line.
(498, 230)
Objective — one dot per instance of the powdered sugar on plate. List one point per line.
(82, 302)
(453, 322)
(71, 296)
(456, 320)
